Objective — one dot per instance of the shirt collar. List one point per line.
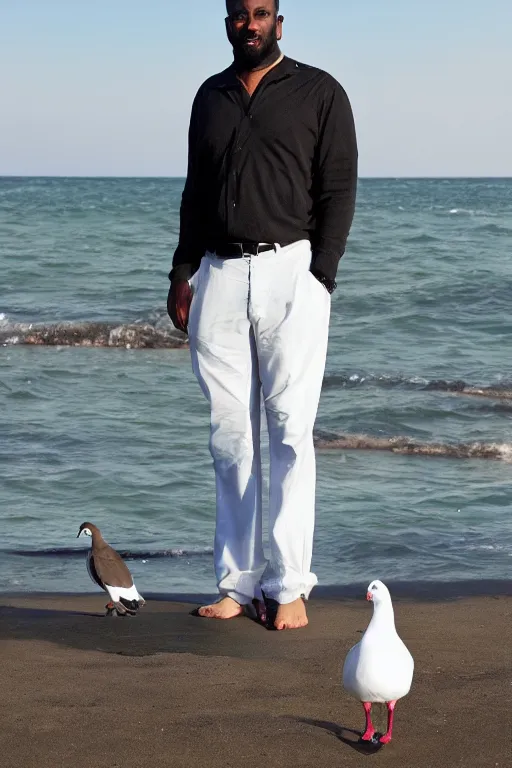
(285, 68)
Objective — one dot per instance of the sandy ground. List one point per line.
(168, 689)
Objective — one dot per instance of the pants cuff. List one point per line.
(285, 596)
(242, 587)
(237, 597)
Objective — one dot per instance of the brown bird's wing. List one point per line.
(111, 568)
(92, 570)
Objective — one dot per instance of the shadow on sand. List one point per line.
(158, 628)
(348, 736)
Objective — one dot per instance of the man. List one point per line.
(266, 211)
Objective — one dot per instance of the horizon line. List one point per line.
(172, 178)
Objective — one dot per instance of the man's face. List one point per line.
(253, 30)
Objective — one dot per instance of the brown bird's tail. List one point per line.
(130, 606)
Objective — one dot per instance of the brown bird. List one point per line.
(107, 568)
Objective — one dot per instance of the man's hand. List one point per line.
(179, 299)
(329, 285)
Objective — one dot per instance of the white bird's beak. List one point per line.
(369, 596)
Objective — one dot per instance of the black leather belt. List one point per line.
(238, 250)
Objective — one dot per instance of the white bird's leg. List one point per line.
(391, 712)
(370, 730)
(110, 609)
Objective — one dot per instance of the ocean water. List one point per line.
(119, 436)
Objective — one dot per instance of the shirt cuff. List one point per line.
(181, 272)
(325, 264)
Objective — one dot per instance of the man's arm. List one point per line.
(334, 183)
(191, 248)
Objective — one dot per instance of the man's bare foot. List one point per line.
(226, 608)
(292, 615)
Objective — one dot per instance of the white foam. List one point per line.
(505, 449)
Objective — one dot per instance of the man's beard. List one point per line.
(250, 57)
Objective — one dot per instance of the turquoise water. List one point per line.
(119, 437)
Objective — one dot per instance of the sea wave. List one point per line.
(407, 446)
(126, 554)
(156, 332)
(92, 334)
(456, 386)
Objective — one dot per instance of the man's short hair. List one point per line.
(229, 2)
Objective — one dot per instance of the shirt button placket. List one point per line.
(237, 149)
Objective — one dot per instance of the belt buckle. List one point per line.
(251, 249)
(266, 247)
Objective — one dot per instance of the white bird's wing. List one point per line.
(350, 669)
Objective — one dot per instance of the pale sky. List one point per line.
(104, 87)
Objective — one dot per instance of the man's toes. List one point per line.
(291, 625)
(298, 623)
(227, 608)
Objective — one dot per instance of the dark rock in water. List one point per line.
(494, 392)
(407, 446)
(444, 386)
(89, 334)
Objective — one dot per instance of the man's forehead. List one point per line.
(250, 5)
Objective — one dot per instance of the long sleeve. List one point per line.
(334, 182)
(191, 247)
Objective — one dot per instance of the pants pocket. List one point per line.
(194, 280)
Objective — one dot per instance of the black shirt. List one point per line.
(276, 167)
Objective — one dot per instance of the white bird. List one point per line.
(379, 668)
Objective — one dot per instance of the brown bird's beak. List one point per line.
(78, 534)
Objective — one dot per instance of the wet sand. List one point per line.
(168, 689)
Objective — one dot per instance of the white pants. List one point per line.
(260, 324)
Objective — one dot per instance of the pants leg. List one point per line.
(290, 313)
(223, 352)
